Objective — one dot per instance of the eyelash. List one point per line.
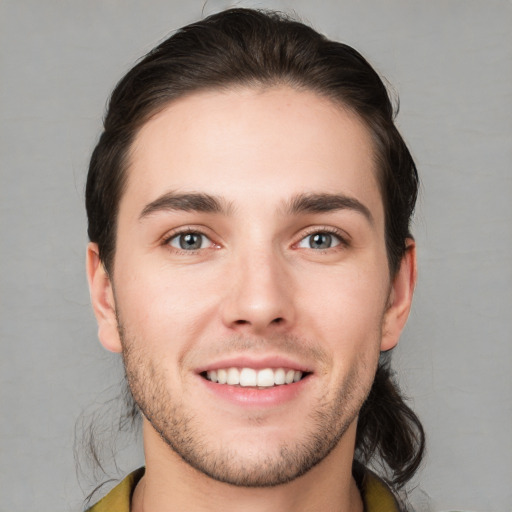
(327, 230)
(340, 236)
(166, 241)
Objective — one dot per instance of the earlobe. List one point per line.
(400, 300)
(102, 299)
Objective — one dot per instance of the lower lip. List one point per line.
(256, 397)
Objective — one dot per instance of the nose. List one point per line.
(258, 295)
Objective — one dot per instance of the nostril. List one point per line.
(276, 321)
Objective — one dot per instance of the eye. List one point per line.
(320, 240)
(190, 241)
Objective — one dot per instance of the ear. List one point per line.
(400, 298)
(102, 299)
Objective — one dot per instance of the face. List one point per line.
(251, 294)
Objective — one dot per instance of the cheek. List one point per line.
(346, 305)
(161, 302)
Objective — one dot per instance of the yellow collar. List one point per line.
(375, 494)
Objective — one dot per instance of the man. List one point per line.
(249, 204)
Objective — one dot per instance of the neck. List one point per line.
(170, 483)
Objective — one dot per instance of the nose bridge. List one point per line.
(258, 291)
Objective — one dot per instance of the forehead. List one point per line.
(246, 143)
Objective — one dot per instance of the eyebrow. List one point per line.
(299, 204)
(323, 203)
(193, 201)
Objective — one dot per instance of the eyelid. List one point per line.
(177, 238)
(183, 230)
(341, 235)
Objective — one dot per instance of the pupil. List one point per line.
(321, 241)
(190, 241)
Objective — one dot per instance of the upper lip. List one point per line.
(258, 363)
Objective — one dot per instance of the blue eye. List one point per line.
(319, 241)
(189, 241)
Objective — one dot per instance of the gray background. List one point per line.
(450, 61)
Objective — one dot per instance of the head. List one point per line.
(244, 64)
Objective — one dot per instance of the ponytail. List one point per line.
(388, 430)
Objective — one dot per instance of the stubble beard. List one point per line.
(184, 431)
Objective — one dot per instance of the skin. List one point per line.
(258, 288)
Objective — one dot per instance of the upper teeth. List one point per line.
(250, 377)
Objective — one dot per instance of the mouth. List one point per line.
(263, 378)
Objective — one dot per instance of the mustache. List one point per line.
(285, 344)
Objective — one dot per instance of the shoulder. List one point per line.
(119, 498)
(376, 495)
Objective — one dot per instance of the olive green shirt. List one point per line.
(375, 494)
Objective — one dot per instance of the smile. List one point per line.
(250, 377)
